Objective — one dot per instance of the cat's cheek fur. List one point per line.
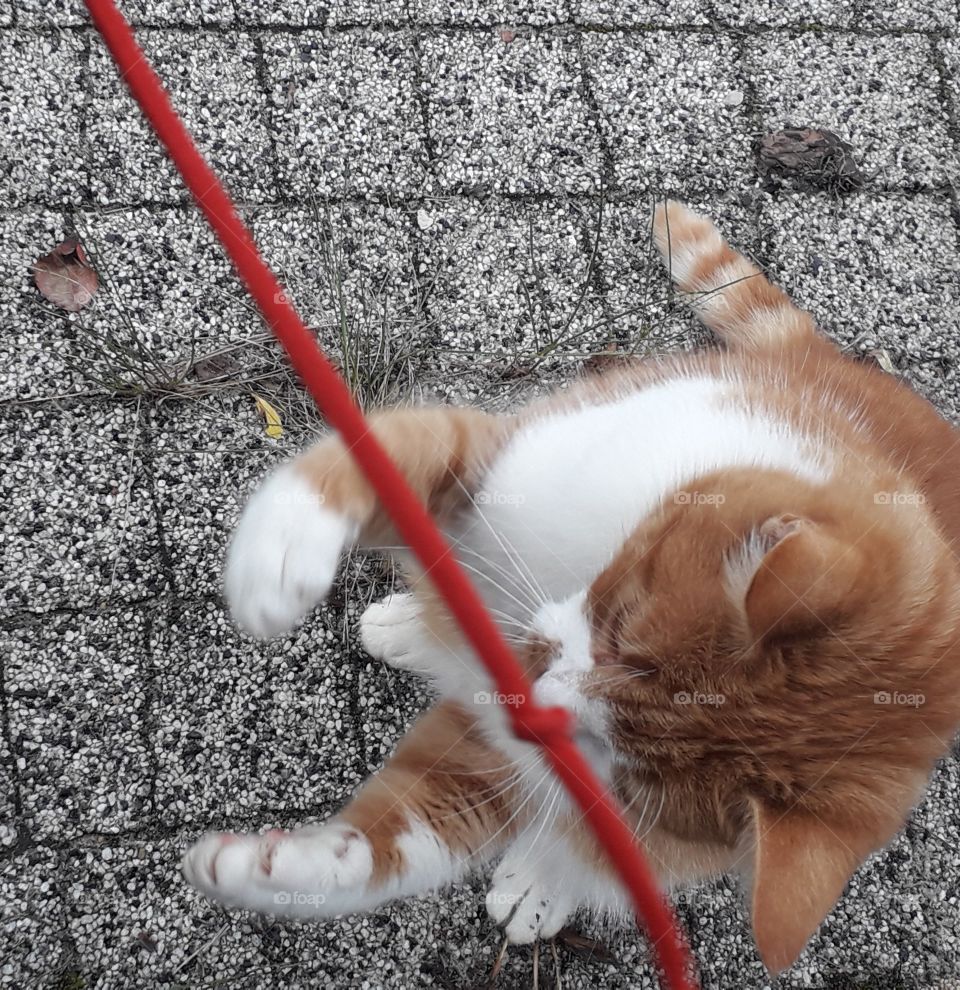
(284, 554)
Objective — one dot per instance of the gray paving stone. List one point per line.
(134, 922)
(206, 457)
(309, 13)
(880, 94)
(910, 15)
(327, 13)
(826, 13)
(663, 112)
(345, 114)
(169, 294)
(51, 13)
(949, 51)
(876, 272)
(9, 792)
(349, 268)
(645, 315)
(79, 527)
(31, 914)
(370, 12)
(213, 83)
(41, 106)
(178, 12)
(507, 288)
(509, 116)
(35, 347)
(514, 13)
(631, 13)
(257, 735)
(77, 706)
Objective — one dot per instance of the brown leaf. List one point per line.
(215, 366)
(814, 158)
(147, 941)
(506, 35)
(65, 277)
(583, 945)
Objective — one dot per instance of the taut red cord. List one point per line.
(548, 728)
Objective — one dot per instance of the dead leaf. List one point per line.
(604, 359)
(215, 366)
(147, 941)
(881, 358)
(65, 276)
(274, 425)
(814, 158)
(583, 945)
(506, 35)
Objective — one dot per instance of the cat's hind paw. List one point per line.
(284, 554)
(312, 872)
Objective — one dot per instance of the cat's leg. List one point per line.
(288, 543)
(444, 803)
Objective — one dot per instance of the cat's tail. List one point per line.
(729, 293)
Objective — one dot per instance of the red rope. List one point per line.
(547, 727)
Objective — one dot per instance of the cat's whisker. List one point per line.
(531, 602)
(509, 594)
(539, 598)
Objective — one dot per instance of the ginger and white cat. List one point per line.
(738, 568)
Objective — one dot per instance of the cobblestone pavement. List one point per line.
(458, 196)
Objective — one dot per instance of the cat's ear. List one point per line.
(799, 577)
(800, 868)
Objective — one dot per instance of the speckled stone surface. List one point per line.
(458, 197)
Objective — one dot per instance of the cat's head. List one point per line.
(779, 662)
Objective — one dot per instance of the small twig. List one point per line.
(498, 964)
(203, 948)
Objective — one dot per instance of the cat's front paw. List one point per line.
(284, 554)
(319, 871)
(391, 631)
(529, 900)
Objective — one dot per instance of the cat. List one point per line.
(737, 568)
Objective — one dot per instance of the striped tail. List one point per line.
(730, 294)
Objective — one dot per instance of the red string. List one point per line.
(549, 728)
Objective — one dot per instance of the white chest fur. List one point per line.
(561, 497)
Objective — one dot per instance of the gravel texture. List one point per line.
(458, 197)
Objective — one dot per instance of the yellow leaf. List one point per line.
(274, 426)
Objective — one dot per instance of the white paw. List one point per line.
(319, 871)
(391, 631)
(284, 554)
(526, 901)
